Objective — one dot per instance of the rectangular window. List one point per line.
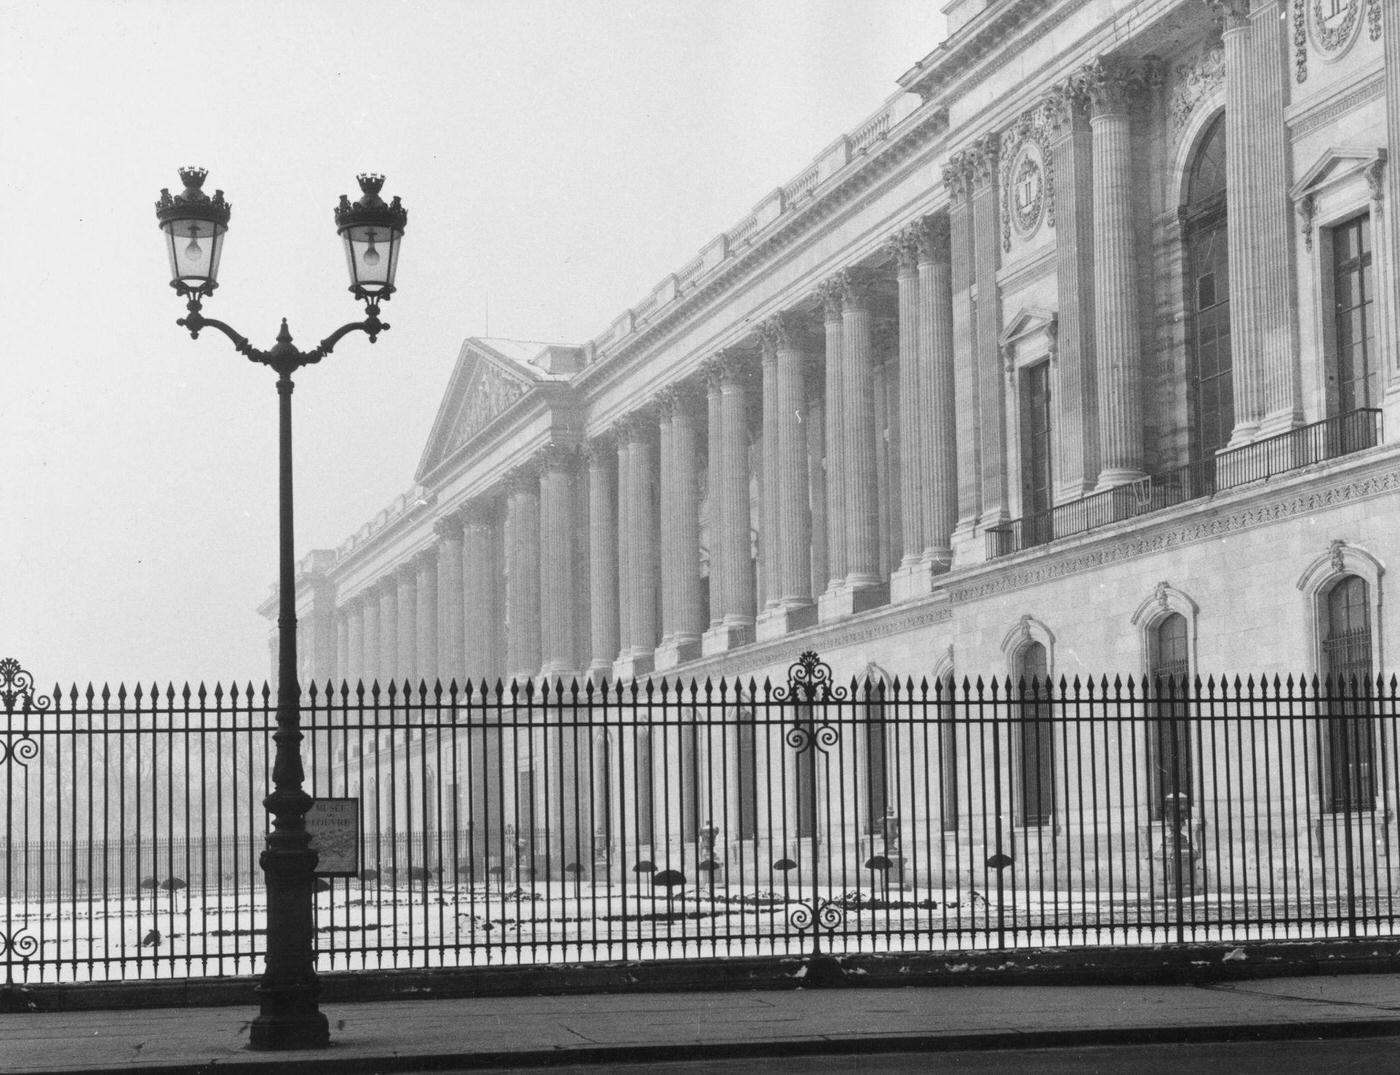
(1037, 496)
(1348, 732)
(1354, 372)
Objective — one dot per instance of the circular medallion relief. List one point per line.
(1027, 190)
(1333, 25)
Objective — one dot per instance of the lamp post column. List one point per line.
(288, 1016)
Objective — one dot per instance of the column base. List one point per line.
(634, 664)
(1112, 477)
(1280, 422)
(909, 581)
(784, 620)
(725, 637)
(599, 670)
(676, 651)
(846, 600)
(559, 670)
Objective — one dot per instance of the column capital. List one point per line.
(599, 449)
(857, 285)
(678, 397)
(781, 332)
(1231, 14)
(1112, 85)
(955, 177)
(634, 425)
(904, 245)
(1057, 109)
(731, 366)
(523, 478)
(832, 293)
(448, 525)
(934, 237)
(425, 558)
(407, 571)
(556, 456)
(982, 158)
(481, 510)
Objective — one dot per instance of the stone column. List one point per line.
(1074, 396)
(451, 610)
(814, 427)
(793, 419)
(640, 570)
(831, 292)
(680, 528)
(983, 161)
(389, 629)
(937, 401)
(355, 641)
(558, 465)
(768, 536)
(523, 572)
(408, 625)
(372, 654)
(1111, 87)
(1263, 333)
(967, 386)
(912, 576)
(1390, 222)
(731, 585)
(602, 557)
(427, 646)
(481, 590)
(864, 586)
(342, 647)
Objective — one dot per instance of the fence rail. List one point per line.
(549, 822)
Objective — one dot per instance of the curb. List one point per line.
(328, 1063)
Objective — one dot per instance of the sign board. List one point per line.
(334, 825)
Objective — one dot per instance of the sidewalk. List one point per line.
(411, 1035)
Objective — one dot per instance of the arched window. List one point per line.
(1170, 739)
(1348, 732)
(1035, 743)
(1207, 269)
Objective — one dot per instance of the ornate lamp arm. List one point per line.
(284, 358)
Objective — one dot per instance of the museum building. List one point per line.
(1079, 356)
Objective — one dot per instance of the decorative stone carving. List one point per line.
(857, 289)
(600, 449)
(556, 456)
(1027, 174)
(523, 478)
(1196, 81)
(1336, 552)
(905, 248)
(632, 427)
(1307, 210)
(1333, 26)
(1373, 18)
(832, 293)
(1162, 594)
(1232, 14)
(934, 236)
(1375, 180)
(1300, 40)
(1112, 85)
(780, 332)
(982, 158)
(955, 176)
(489, 393)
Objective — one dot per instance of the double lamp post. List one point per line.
(194, 225)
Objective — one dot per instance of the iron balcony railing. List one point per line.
(552, 823)
(1331, 438)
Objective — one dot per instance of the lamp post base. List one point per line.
(290, 1030)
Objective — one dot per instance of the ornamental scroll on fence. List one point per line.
(549, 822)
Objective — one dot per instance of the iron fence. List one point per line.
(545, 822)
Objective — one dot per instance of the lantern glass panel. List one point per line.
(372, 255)
(194, 247)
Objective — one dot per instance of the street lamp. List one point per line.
(194, 225)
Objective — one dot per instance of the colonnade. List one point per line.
(851, 446)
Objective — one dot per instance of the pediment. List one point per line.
(1033, 329)
(1334, 165)
(484, 385)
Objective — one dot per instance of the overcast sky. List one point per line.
(557, 159)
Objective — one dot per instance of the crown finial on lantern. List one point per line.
(193, 176)
(371, 183)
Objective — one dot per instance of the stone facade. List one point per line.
(945, 394)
